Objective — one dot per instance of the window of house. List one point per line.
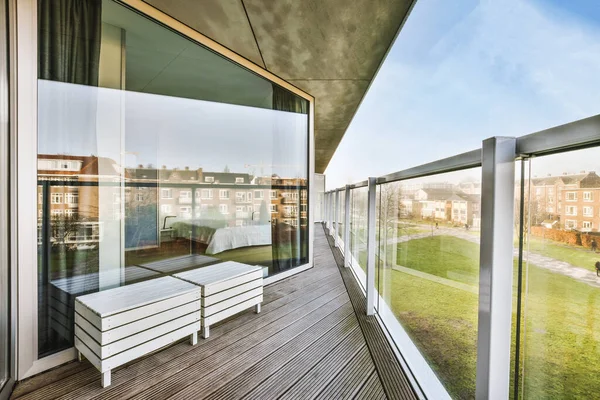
(571, 196)
(166, 208)
(588, 211)
(166, 193)
(71, 198)
(570, 224)
(273, 194)
(273, 208)
(587, 225)
(571, 210)
(249, 196)
(223, 194)
(56, 212)
(139, 197)
(207, 194)
(223, 209)
(185, 194)
(587, 196)
(239, 180)
(56, 198)
(185, 212)
(258, 194)
(209, 179)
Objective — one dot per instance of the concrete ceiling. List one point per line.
(328, 48)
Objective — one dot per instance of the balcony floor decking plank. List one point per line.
(308, 342)
(395, 381)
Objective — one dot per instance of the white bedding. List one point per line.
(241, 236)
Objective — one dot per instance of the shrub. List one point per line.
(569, 237)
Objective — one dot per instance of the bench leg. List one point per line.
(79, 356)
(257, 308)
(205, 332)
(106, 379)
(194, 338)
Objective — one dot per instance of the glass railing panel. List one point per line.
(340, 218)
(429, 275)
(358, 233)
(560, 345)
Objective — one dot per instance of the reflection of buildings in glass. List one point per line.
(569, 201)
(155, 199)
(71, 187)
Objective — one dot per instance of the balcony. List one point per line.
(312, 339)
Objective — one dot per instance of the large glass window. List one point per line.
(428, 273)
(148, 144)
(559, 354)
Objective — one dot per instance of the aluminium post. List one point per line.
(337, 217)
(496, 268)
(371, 226)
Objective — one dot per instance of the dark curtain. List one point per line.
(69, 34)
(69, 40)
(284, 100)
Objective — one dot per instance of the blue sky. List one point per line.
(461, 71)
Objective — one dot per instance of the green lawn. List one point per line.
(562, 330)
(445, 256)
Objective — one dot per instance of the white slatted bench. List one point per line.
(116, 326)
(227, 289)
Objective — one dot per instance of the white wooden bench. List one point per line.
(227, 289)
(116, 326)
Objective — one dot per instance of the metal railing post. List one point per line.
(371, 226)
(325, 209)
(330, 213)
(496, 268)
(347, 227)
(337, 216)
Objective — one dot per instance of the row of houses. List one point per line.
(567, 201)
(448, 204)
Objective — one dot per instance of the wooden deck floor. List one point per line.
(306, 343)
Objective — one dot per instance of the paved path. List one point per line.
(437, 279)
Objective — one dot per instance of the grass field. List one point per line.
(562, 330)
